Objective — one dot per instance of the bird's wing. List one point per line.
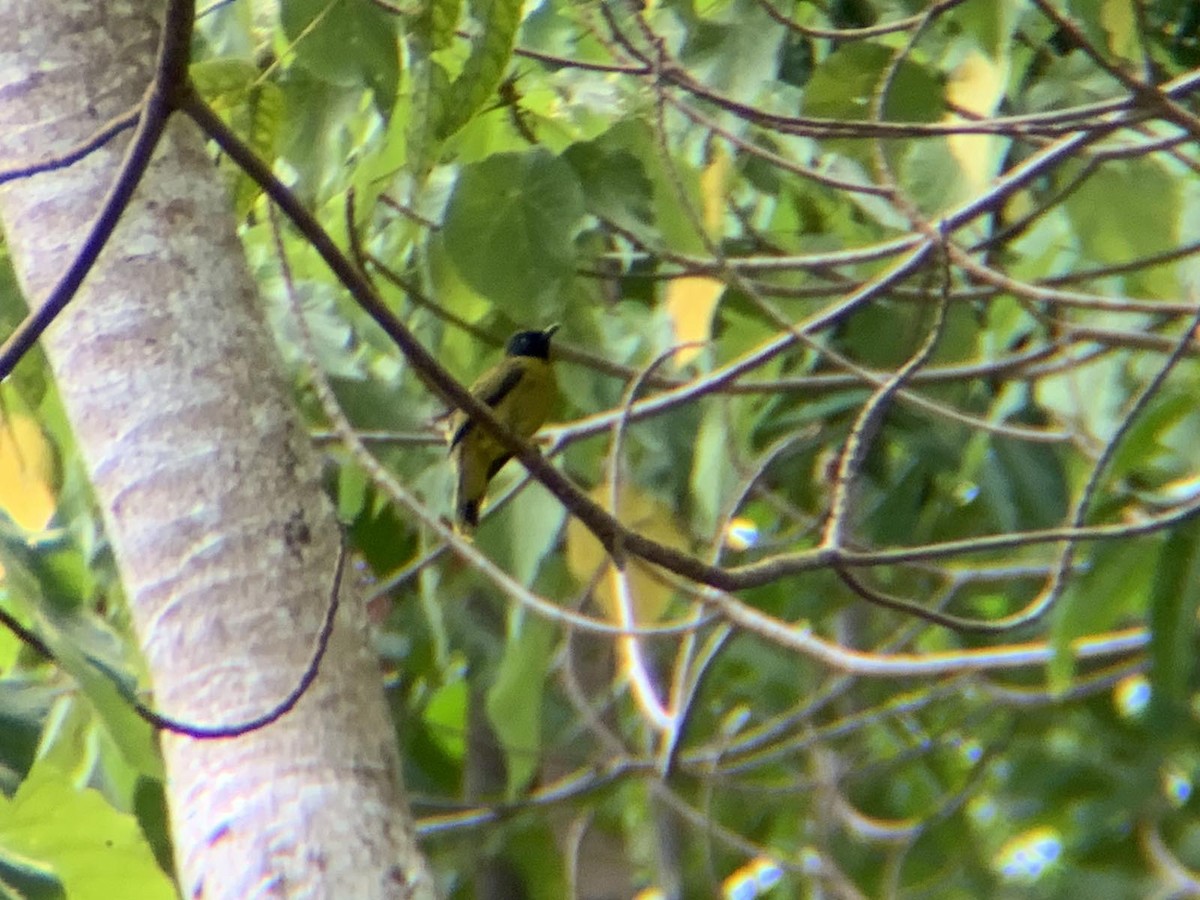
(489, 395)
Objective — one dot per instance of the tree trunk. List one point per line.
(206, 480)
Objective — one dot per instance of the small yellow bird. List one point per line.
(520, 390)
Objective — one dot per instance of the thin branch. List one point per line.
(284, 706)
(86, 147)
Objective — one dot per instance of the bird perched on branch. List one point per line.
(520, 390)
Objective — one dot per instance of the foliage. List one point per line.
(939, 258)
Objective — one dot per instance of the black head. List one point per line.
(531, 343)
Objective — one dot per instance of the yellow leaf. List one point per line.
(976, 86)
(691, 302)
(713, 180)
(1118, 19)
(26, 473)
(650, 590)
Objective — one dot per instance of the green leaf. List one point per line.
(446, 718)
(348, 43)
(988, 25)
(509, 229)
(1143, 446)
(1097, 19)
(217, 80)
(1024, 485)
(615, 184)
(264, 114)
(352, 492)
(254, 108)
(1116, 586)
(85, 650)
(514, 701)
(710, 467)
(442, 20)
(1120, 22)
(24, 705)
(1127, 210)
(484, 69)
(429, 93)
(95, 851)
(1174, 599)
(321, 130)
(544, 873)
(933, 177)
(102, 685)
(845, 84)
(531, 523)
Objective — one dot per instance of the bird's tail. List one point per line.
(466, 514)
(471, 488)
(469, 492)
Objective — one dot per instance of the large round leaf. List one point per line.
(352, 44)
(510, 228)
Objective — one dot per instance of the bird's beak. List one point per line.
(549, 332)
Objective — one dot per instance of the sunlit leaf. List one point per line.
(976, 86)
(28, 471)
(484, 68)
(445, 717)
(691, 302)
(95, 851)
(1120, 21)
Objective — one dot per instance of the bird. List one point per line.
(520, 390)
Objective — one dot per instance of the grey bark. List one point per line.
(206, 481)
